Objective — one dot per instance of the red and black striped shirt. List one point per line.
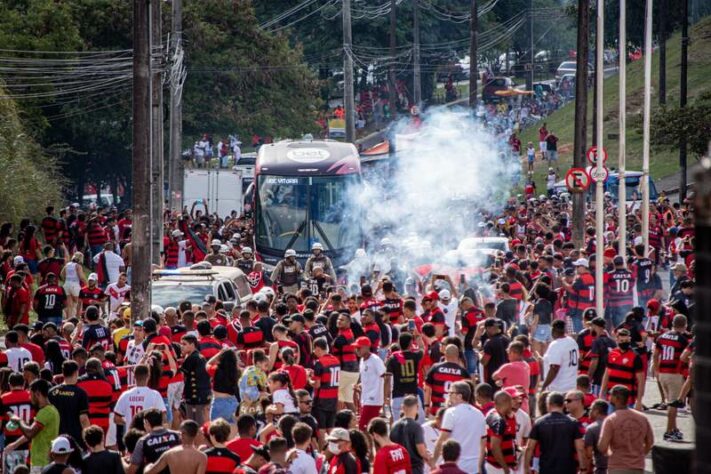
(327, 370)
(504, 428)
(100, 393)
(440, 377)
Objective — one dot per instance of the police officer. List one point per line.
(288, 272)
(246, 263)
(318, 259)
(215, 257)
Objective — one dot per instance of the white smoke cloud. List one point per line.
(447, 172)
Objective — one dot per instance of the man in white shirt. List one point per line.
(134, 348)
(17, 356)
(372, 383)
(301, 461)
(560, 362)
(117, 292)
(137, 399)
(449, 307)
(114, 263)
(464, 424)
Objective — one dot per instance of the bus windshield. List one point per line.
(294, 212)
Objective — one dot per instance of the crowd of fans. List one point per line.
(502, 368)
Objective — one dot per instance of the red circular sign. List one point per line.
(592, 155)
(577, 180)
(592, 172)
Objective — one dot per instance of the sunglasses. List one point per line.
(571, 400)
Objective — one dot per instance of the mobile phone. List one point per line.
(411, 325)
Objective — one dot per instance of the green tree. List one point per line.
(241, 78)
(29, 179)
(669, 125)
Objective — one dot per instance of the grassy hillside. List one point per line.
(662, 162)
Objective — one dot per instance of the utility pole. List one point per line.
(683, 92)
(417, 83)
(663, 52)
(702, 318)
(348, 99)
(175, 159)
(141, 154)
(392, 89)
(531, 54)
(622, 130)
(646, 116)
(581, 110)
(156, 134)
(473, 53)
(599, 183)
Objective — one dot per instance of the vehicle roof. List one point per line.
(312, 157)
(227, 272)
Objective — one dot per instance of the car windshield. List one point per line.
(173, 294)
(568, 65)
(294, 212)
(633, 190)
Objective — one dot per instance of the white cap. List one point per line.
(17, 260)
(176, 233)
(61, 445)
(247, 250)
(290, 253)
(581, 262)
(317, 246)
(157, 308)
(444, 295)
(224, 248)
(385, 241)
(93, 276)
(215, 243)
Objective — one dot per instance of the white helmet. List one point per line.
(215, 243)
(290, 253)
(247, 250)
(224, 249)
(317, 246)
(267, 291)
(385, 241)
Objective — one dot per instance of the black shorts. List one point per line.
(326, 418)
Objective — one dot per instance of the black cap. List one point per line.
(149, 325)
(598, 321)
(210, 299)
(589, 314)
(262, 451)
(569, 272)
(39, 325)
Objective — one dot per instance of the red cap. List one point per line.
(432, 296)
(362, 341)
(653, 304)
(516, 391)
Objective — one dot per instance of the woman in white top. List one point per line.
(73, 277)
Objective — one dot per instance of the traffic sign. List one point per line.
(592, 155)
(592, 171)
(577, 180)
